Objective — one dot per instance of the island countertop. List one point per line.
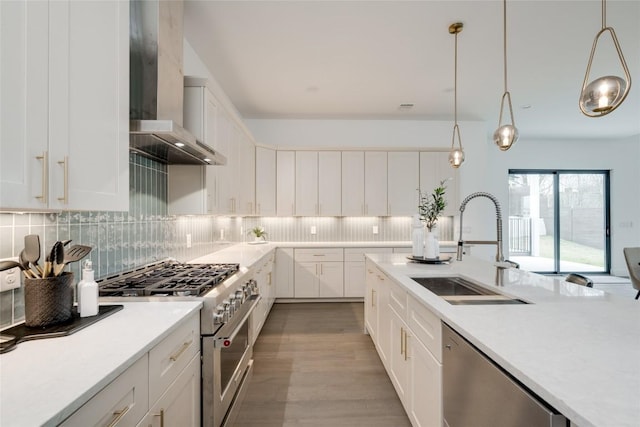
(577, 348)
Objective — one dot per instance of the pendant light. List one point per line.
(507, 134)
(604, 94)
(456, 155)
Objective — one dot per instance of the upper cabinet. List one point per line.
(435, 168)
(65, 73)
(285, 182)
(404, 181)
(265, 181)
(364, 183)
(318, 183)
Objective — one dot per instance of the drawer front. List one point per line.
(171, 356)
(357, 254)
(398, 299)
(122, 403)
(318, 255)
(426, 327)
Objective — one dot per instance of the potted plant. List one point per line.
(430, 207)
(259, 233)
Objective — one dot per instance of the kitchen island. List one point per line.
(577, 348)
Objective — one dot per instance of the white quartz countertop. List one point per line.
(44, 381)
(577, 348)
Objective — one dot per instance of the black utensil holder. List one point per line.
(48, 301)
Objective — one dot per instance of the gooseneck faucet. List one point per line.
(498, 241)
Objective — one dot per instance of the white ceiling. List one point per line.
(362, 59)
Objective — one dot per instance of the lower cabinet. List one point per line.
(408, 339)
(263, 275)
(161, 388)
(284, 273)
(319, 273)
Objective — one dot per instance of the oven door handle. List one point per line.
(223, 338)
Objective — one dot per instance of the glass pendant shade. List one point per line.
(456, 157)
(603, 95)
(505, 136)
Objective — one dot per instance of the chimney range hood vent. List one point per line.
(157, 87)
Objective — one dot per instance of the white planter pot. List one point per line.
(431, 245)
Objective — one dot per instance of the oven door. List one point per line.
(226, 367)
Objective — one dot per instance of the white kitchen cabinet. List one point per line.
(65, 74)
(329, 183)
(364, 183)
(227, 185)
(398, 358)
(434, 168)
(375, 183)
(285, 183)
(354, 270)
(306, 183)
(424, 388)
(377, 311)
(180, 403)
(124, 402)
(318, 183)
(403, 169)
(245, 173)
(319, 273)
(265, 181)
(353, 183)
(161, 386)
(284, 273)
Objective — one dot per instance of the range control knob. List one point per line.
(240, 295)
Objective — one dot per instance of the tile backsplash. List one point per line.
(146, 233)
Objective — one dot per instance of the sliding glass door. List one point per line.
(559, 220)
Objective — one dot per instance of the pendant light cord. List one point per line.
(604, 14)
(455, 82)
(504, 39)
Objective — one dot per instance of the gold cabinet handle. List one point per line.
(185, 346)
(65, 167)
(161, 415)
(401, 340)
(45, 177)
(118, 415)
(373, 297)
(406, 336)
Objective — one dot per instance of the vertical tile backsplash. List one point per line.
(146, 233)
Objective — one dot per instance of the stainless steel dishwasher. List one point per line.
(477, 393)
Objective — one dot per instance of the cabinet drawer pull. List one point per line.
(185, 346)
(161, 415)
(65, 167)
(401, 340)
(373, 297)
(45, 177)
(406, 336)
(118, 415)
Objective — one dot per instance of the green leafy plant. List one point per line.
(258, 232)
(431, 205)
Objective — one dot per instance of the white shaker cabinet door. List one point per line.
(331, 276)
(403, 181)
(24, 35)
(352, 183)
(89, 105)
(285, 183)
(375, 183)
(306, 183)
(329, 183)
(265, 181)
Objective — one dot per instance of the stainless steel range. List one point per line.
(229, 295)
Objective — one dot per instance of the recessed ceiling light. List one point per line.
(312, 89)
(525, 106)
(406, 106)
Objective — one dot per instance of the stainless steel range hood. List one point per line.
(157, 87)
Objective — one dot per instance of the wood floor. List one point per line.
(314, 366)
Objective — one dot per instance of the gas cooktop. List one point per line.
(167, 278)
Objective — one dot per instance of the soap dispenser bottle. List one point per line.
(87, 292)
(417, 238)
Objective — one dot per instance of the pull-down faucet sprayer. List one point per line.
(497, 242)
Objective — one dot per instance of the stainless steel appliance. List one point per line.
(157, 87)
(229, 295)
(477, 392)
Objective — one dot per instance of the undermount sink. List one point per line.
(458, 291)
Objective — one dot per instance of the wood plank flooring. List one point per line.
(314, 366)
